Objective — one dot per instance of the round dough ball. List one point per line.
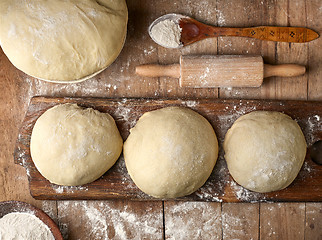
(73, 146)
(62, 41)
(171, 152)
(264, 151)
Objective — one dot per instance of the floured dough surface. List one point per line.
(62, 40)
(264, 151)
(171, 152)
(74, 146)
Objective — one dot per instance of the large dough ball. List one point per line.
(171, 152)
(264, 151)
(74, 146)
(62, 41)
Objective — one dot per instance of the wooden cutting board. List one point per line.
(117, 184)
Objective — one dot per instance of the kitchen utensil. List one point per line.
(220, 71)
(193, 31)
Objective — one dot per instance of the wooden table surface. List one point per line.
(170, 219)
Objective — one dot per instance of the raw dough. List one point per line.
(171, 152)
(62, 41)
(264, 151)
(74, 146)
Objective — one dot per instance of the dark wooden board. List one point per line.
(116, 183)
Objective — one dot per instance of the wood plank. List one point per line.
(192, 220)
(12, 179)
(116, 183)
(313, 218)
(289, 15)
(110, 220)
(314, 20)
(268, 49)
(240, 221)
(282, 221)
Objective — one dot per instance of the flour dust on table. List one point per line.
(105, 221)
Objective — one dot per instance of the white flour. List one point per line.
(204, 217)
(105, 221)
(22, 226)
(167, 33)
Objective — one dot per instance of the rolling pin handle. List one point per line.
(283, 70)
(155, 70)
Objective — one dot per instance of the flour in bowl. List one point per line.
(22, 226)
(167, 33)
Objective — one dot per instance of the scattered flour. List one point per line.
(237, 225)
(67, 189)
(125, 114)
(21, 226)
(105, 221)
(306, 167)
(221, 18)
(190, 103)
(312, 125)
(149, 51)
(204, 217)
(245, 195)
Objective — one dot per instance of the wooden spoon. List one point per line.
(193, 31)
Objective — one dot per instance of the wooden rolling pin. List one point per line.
(220, 71)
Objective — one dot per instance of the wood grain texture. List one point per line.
(192, 220)
(116, 183)
(314, 19)
(240, 221)
(295, 88)
(313, 219)
(193, 31)
(221, 71)
(110, 220)
(280, 34)
(282, 221)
